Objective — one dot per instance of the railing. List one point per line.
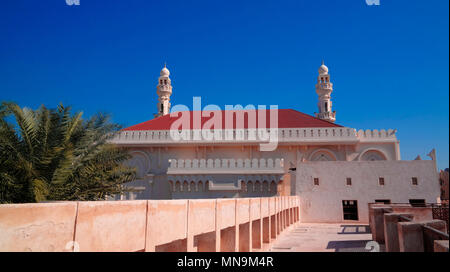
(226, 166)
(227, 163)
(430, 235)
(326, 114)
(367, 135)
(305, 135)
(441, 212)
(324, 85)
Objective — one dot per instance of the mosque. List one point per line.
(243, 152)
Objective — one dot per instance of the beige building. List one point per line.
(244, 152)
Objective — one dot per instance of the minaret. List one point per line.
(164, 90)
(323, 89)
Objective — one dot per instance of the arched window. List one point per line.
(322, 155)
(141, 162)
(372, 155)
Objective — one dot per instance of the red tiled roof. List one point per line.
(287, 118)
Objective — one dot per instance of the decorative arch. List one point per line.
(200, 186)
(265, 186)
(193, 187)
(250, 186)
(141, 161)
(243, 186)
(178, 186)
(322, 154)
(257, 186)
(273, 187)
(185, 186)
(373, 154)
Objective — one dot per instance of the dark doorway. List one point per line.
(417, 202)
(350, 208)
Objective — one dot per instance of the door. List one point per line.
(350, 209)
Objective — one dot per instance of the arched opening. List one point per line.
(185, 186)
(257, 187)
(265, 187)
(243, 186)
(273, 187)
(323, 155)
(193, 188)
(373, 155)
(249, 187)
(141, 161)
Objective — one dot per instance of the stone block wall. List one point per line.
(244, 224)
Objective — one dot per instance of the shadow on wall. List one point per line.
(355, 229)
(349, 246)
(240, 224)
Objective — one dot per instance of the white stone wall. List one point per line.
(323, 203)
(152, 161)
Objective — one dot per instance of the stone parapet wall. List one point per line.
(300, 135)
(407, 229)
(244, 224)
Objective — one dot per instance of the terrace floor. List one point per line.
(320, 237)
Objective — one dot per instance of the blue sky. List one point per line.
(389, 63)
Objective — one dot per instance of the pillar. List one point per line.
(391, 230)
(410, 237)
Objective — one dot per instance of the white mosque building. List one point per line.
(211, 153)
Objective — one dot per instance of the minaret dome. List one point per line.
(323, 69)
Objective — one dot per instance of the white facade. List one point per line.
(322, 202)
(229, 162)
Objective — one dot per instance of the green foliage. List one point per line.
(51, 154)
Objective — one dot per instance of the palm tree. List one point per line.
(51, 154)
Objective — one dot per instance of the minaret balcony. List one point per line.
(326, 85)
(328, 115)
(166, 88)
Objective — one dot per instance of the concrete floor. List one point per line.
(309, 237)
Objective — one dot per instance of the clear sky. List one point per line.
(389, 63)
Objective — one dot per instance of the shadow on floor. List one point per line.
(348, 246)
(354, 229)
